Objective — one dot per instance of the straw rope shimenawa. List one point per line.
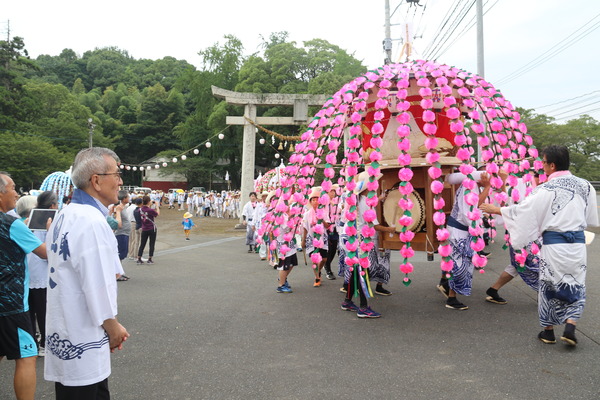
(270, 132)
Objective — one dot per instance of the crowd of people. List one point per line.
(550, 216)
(62, 280)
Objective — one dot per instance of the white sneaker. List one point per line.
(41, 352)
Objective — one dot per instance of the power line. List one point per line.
(578, 114)
(462, 16)
(567, 100)
(553, 51)
(442, 25)
(469, 26)
(573, 109)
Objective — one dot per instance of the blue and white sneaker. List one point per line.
(349, 306)
(287, 285)
(367, 313)
(283, 289)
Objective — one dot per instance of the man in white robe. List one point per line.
(460, 240)
(248, 216)
(558, 210)
(81, 325)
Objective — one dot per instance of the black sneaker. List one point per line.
(330, 276)
(454, 304)
(547, 336)
(494, 297)
(485, 253)
(380, 290)
(444, 288)
(569, 335)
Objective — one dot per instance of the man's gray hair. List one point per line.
(3, 181)
(89, 162)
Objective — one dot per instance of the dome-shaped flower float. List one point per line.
(60, 183)
(411, 125)
(270, 180)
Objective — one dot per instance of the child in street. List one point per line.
(188, 224)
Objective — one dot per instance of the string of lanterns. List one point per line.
(207, 143)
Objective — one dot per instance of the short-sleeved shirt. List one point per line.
(16, 240)
(187, 223)
(148, 216)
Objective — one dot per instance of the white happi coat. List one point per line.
(563, 204)
(82, 293)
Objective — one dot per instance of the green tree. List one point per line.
(59, 116)
(106, 66)
(14, 62)
(581, 136)
(29, 159)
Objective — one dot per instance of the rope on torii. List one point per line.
(272, 133)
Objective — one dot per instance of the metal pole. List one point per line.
(387, 42)
(480, 56)
(91, 126)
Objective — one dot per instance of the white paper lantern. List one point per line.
(183, 157)
(121, 166)
(208, 145)
(156, 166)
(196, 151)
(135, 168)
(165, 164)
(221, 136)
(128, 168)
(174, 159)
(261, 141)
(277, 155)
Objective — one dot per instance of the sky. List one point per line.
(516, 33)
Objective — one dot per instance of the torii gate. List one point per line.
(300, 102)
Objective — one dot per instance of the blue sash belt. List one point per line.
(551, 237)
(455, 224)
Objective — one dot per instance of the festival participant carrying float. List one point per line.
(409, 122)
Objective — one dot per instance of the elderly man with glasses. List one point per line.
(81, 327)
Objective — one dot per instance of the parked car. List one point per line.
(199, 189)
(138, 189)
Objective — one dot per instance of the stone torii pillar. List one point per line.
(250, 101)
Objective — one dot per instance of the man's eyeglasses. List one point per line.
(117, 174)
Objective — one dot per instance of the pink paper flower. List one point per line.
(316, 258)
(434, 172)
(405, 174)
(432, 157)
(407, 252)
(437, 187)
(369, 215)
(406, 268)
(407, 236)
(439, 218)
(442, 234)
(446, 265)
(444, 250)
(439, 203)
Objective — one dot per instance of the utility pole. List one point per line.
(91, 126)
(387, 42)
(480, 58)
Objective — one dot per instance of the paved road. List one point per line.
(206, 323)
